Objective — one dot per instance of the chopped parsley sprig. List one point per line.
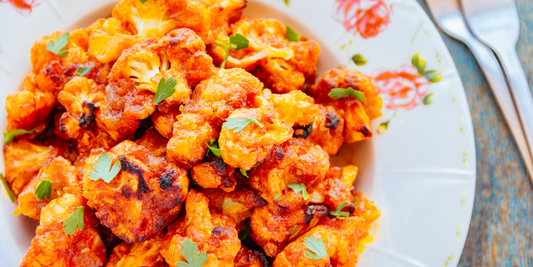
(60, 43)
(317, 247)
(8, 190)
(10, 135)
(236, 42)
(44, 189)
(165, 89)
(346, 92)
(83, 70)
(103, 168)
(341, 215)
(74, 220)
(291, 34)
(238, 124)
(299, 188)
(214, 148)
(190, 253)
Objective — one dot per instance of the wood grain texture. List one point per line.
(501, 232)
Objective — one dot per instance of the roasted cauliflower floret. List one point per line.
(251, 145)
(296, 161)
(188, 144)
(273, 226)
(53, 71)
(356, 114)
(237, 204)
(208, 18)
(340, 237)
(251, 258)
(24, 159)
(214, 233)
(108, 38)
(214, 174)
(337, 187)
(327, 130)
(153, 142)
(282, 65)
(29, 108)
(136, 75)
(164, 121)
(64, 181)
(81, 97)
(53, 247)
(142, 198)
(140, 254)
(223, 93)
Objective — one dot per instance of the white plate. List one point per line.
(420, 169)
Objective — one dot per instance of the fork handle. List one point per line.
(496, 79)
(519, 89)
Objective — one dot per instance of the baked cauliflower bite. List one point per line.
(337, 187)
(222, 93)
(251, 145)
(64, 181)
(357, 114)
(188, 144)
(29, 108)
(214, 233)
(53, 71)
(251, 258)
(164, 121)
(24, 159)
(237, 204)
(321, 124)
(214, 174)
(296, 161)
(273, 226)
(282, 65)
(153, 142)
(52, 247)
(135, 77)
(139, 254)
(142, 198)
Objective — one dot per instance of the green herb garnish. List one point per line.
(291, 34)
(83, 71)
(74, 220)
(317, 247)
(238, 124)
(165, 89)
(346, 92)
(213, 147)
(236, 42)
(299, 188)
(103, 168)
(60, 43)
(341, 215)
(44, 189)
(190, 253)
(8, 190)
(10, 136)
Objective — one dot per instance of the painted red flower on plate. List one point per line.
(368, 17)
(23, 6)
(404, 87)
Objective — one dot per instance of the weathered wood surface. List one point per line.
(501, 232)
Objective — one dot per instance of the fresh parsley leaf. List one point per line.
(74, 220)
(103, 168)
(291, 34)
(317, 247)
(60, 43)
(346, 92)
(341, 215)
(214, 148)
(8, 191)
(356, 199)
(165, 89)
(299, 188)
(143, 1)
(277, 196)
(244, 172)
(83, 71)
(190, 253)
(44, 189)
(245, 231)
(238, 124)
(10, 136)
(236, 42)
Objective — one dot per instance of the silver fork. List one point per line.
(496, 24)
(447, 14)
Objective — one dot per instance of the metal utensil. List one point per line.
(496, 24)
(447, 14)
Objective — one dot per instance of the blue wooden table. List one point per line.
(501, 232)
